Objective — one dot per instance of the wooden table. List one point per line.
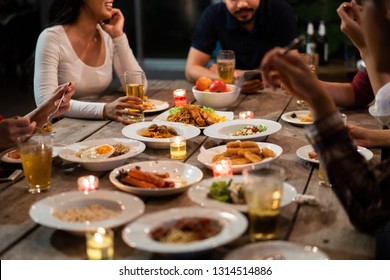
(326, 226)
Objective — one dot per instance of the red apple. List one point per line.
(217, 86)
(203, 83)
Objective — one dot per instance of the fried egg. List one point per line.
(98, 152)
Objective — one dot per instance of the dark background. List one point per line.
(160, 42)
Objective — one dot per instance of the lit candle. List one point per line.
(88, 183)
(178, 147)
(246, 115)
(180, 97)
(222, 168)
(100, 244)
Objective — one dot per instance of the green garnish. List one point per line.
(219, 190)
(174, 110)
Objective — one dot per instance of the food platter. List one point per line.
(198, 193)
(182, 174)
(128, 206)
(206, 156)
(135, 130)
(163, 116)
(71, 153)
(158, 105)
(136, 234)
(276, 250)
(224, 130)
(294, 117)
(303, 153)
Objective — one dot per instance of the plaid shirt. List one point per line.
(363, 189)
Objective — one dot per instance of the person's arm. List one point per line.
(342, 93)
(369, 138)
(196, 66)
(363, 191)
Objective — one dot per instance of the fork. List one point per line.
(48, 124)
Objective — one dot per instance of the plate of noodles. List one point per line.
(156, 134)
(199, 116)
(185, 230)
(80, 211)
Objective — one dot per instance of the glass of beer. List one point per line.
(135, 81)
(263, 190)
(226, 63)
(36, 155)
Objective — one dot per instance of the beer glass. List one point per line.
(226, 64)
(36, 155)
(311, 63)
(135, 81)
(263, 193)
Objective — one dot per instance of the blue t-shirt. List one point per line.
(275, 26)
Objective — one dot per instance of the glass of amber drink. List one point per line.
(226, 64)
(135, 82)
(263, 189)
(36, 155)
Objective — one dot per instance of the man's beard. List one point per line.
(245, 21)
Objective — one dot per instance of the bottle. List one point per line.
(310, 39)
(322, 44)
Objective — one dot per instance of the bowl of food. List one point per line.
(218, 97)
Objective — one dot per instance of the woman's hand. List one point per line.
(114, 26)
(119, 108)
(350, 15)
(12, 128)
(293, 73)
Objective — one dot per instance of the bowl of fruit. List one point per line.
(215, 94)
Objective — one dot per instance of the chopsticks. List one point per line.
(292, 45)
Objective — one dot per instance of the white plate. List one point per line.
(183, 174)
(6, 158)
(158, 105)
(198, 194)
(135, 130)
(225, 130)
(70, 153)
(288, 118)
(269, 250)
(206, 156)
(136, 234)
(303, 153)
(163, 116)
(130, 207)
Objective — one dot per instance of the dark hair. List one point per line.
(64, 11)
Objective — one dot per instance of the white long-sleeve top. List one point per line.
(57, 63)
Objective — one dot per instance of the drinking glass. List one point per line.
(311, 63)
(226, 64)
(36, 155)
(135, 81)
(263, 192)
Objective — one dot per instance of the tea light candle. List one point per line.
(178, 147)
(246, 115)
(100, 244)
(180, 97)
(222, 168)
(88, 183)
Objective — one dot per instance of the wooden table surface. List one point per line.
(325, 226)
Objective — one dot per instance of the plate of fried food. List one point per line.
(199, 116)
(185, 230)
(102, 154)
(155, 178)
(154, 105)
(79, 212)
(308, 153)
(242, 154)
(156, 134)
(300, 118)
